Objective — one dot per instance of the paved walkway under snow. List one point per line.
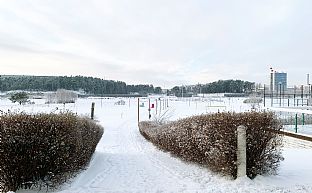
(125, 162)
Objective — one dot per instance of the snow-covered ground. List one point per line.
(125, 162)
(304, 126)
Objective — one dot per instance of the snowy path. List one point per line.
(290, 142)
(125, 162)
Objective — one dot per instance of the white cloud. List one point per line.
(159, 42)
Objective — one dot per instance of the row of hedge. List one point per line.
(211, 140)
(44, 149)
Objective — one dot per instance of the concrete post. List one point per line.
(241, 151)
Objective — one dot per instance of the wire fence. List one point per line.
(296, 122)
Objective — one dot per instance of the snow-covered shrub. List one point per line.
(44, 149)
(211, 140)
(120, 102)
(163, 117)
(254, 102)
(62, 96)
(146, 129)
(20, 97)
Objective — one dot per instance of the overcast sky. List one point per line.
(160, 42)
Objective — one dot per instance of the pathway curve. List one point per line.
(125, 162)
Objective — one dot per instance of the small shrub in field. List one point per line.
(44, 149)
(20, 97)
(211, 140)
(163, 117)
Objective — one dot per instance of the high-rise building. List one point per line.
(280, 81)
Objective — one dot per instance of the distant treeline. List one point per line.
(89, 85)
(228, 86)
(97, 86)
(221, 86)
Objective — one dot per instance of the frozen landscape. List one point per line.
(62, 50)
(125, 162)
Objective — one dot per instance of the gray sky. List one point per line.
(161, 42)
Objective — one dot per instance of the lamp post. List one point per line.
(264, 95)
(271, 85)
(283, 94)
(302, 95)
(295, 89)
(182, 91)
(280, 91)
(310, 91)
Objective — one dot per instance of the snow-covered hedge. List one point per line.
(44, 149)
(211, 140)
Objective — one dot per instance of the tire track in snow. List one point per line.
(110, 162)
(126, 162)
(128, 167)
(153, 158)
(290, 142)
(103, 165)
(171, 165)
(206, 181)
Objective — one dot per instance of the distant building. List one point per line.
(280, 81)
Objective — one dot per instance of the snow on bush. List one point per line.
(211, 140)
(44, 149)
(254, 102)
(62, 96)
(163, 117)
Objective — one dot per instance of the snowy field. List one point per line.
(125, 162)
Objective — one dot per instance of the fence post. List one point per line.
(241, 151)
(92, 110)
(164, 104)
(149, 109)
(296, 123)
(302, 118)
(138, 111)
